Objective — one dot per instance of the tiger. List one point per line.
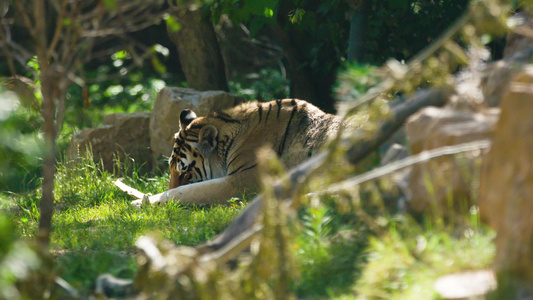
(214, 157)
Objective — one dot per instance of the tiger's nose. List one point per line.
(177, 180)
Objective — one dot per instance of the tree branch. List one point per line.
(58, 30)
(402, 164)
(26, 19)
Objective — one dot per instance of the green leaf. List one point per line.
(158, 66)
(269, 13)
(261, 8)
(295, 16)
(110, 4)
(33, 63)
(123, 54)
(172, 23)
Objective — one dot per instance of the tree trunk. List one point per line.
(301, 82)
(198, 49)
(305, 82)
(355, 44)
(47, 199)
(48, 85)
(506, 188)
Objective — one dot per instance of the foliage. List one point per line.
(20, 146)
(271, 86)
(95, 228)
(328, 250)
(405, 261)
(397, 29)
(25, 273)
(400, 29)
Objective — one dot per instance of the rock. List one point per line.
(519, 44)
(123, 136)
(164, 119)
(467, 285)
(506, 183)
(432, 185)
(517, 53)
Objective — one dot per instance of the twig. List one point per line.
(58, 30)
(26, 18)
(129, 190)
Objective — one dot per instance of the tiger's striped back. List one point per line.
(225, 143)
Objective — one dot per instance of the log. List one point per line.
(286, 187)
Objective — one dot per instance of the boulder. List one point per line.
(506, 183)
(443, 185)
(517, 53)
(123, 136)
(164, 119)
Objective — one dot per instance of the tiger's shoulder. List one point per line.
(272, 112)
(224, 144)
(295, 129)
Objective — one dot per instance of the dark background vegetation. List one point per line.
(302, 47)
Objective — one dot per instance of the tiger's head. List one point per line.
(193, 157)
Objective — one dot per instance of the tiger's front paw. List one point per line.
(141, 202)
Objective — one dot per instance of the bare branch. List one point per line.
(402, 164)
(128, 189)
(26, 19)
(58, 30)
(21, 54)
(116, 30)
(7, 53)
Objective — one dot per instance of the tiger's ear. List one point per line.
(208, 136)
(186, 117)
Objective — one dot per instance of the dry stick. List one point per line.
(129, 190)
(286, 187)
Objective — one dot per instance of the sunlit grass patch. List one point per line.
(95, 227)
(405, 261)
(117, 225)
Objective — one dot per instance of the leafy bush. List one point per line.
(20, 145)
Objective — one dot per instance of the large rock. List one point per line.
(443, 185)
(123, 136)
(506, 184)
(164, 120)
(517, 53)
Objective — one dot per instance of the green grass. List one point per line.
(405, 261)
(95, 227)
(338, 256)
